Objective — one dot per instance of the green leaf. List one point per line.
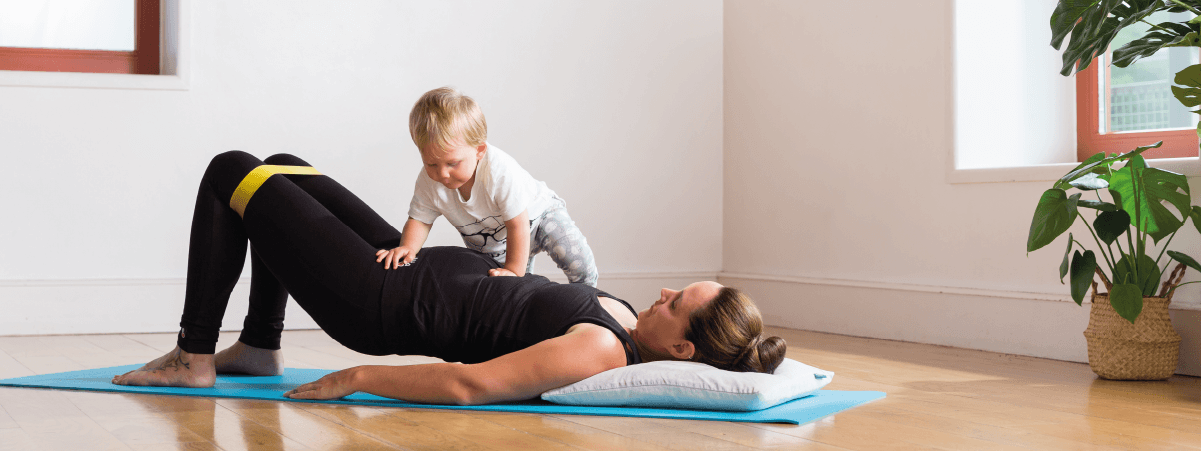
(1195, 214)
(1127, 300)
(1169, 186)
(1092, 25)
(1190, 39)
(1083, 267)
(1097, 205)
(1146, 46)
(1148, 273)
(1063, 267)
(1097, 161)
(1053, 216)
(1155, 187)
(1110, 225)
(1188, 261)
(1089, 182)
(1190, 77)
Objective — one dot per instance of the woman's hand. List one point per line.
(332, 386)
(395, 258)
(501, 272)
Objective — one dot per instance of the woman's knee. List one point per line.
(226, 170)
(285, 159)
(234, 160)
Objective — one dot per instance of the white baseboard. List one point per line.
(1006, 322)
(55, 307)
(98, 306)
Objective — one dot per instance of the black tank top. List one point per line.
(444, 305)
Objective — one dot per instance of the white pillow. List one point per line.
(692, 385)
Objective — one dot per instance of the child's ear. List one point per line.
(479, 150)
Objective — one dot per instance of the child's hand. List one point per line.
(395, 258)
(501, 272)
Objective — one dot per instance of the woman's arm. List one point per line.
(586, 349)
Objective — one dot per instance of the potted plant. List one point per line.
(1129, 335)
(1146, 346)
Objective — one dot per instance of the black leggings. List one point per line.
(309, 236)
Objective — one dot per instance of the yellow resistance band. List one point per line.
(256, 178)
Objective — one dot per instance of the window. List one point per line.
(1118, 109)
(49, 36)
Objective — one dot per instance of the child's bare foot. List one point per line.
(245, 359)
(176, 369)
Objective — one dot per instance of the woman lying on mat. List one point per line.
(515, 337)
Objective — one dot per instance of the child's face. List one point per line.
(454, 166)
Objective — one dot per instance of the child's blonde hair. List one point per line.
(445, 115)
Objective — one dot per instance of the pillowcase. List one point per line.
(692, 385)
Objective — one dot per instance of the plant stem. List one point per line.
(1190, 8)
(1178, 286)
(1137, 219)
(1165, 246)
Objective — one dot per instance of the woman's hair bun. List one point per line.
(728, 334)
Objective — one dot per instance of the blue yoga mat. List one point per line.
(272, 388)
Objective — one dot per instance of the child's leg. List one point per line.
(326, 265)
(562, 240)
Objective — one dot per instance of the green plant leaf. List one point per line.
(1089, 182)
(1053, 216)
(1085, 167)
(1127, 300)
(1195, 214)
(1169, 186)
(1146, 46)
(1063, 267)
(1156, 187)
(1190, 77)
(1110, 225)
(1182, 258)
(1148, 274)
(1092, 24)
(1097, 205)
(1083, 267)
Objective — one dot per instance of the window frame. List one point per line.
(145, 59)
(1176, 143)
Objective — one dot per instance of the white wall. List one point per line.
(839, 216)
(615, 104)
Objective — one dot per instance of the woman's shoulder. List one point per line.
(609, 349)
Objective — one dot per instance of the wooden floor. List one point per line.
(938, 398)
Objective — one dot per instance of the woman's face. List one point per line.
(661, 327)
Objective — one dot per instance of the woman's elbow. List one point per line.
(466, 391)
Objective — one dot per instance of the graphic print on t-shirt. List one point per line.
(477, 234)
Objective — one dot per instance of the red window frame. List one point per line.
(1176, 143)
(144, 59)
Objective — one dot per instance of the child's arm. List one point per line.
(517, 250)
(411, 239)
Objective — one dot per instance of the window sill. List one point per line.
(86, 80)
(1190, 167)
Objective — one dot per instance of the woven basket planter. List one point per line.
(1146, 350)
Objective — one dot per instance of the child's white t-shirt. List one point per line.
(502, 190)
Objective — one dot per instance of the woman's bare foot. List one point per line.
(176, 369)
(245, 359)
